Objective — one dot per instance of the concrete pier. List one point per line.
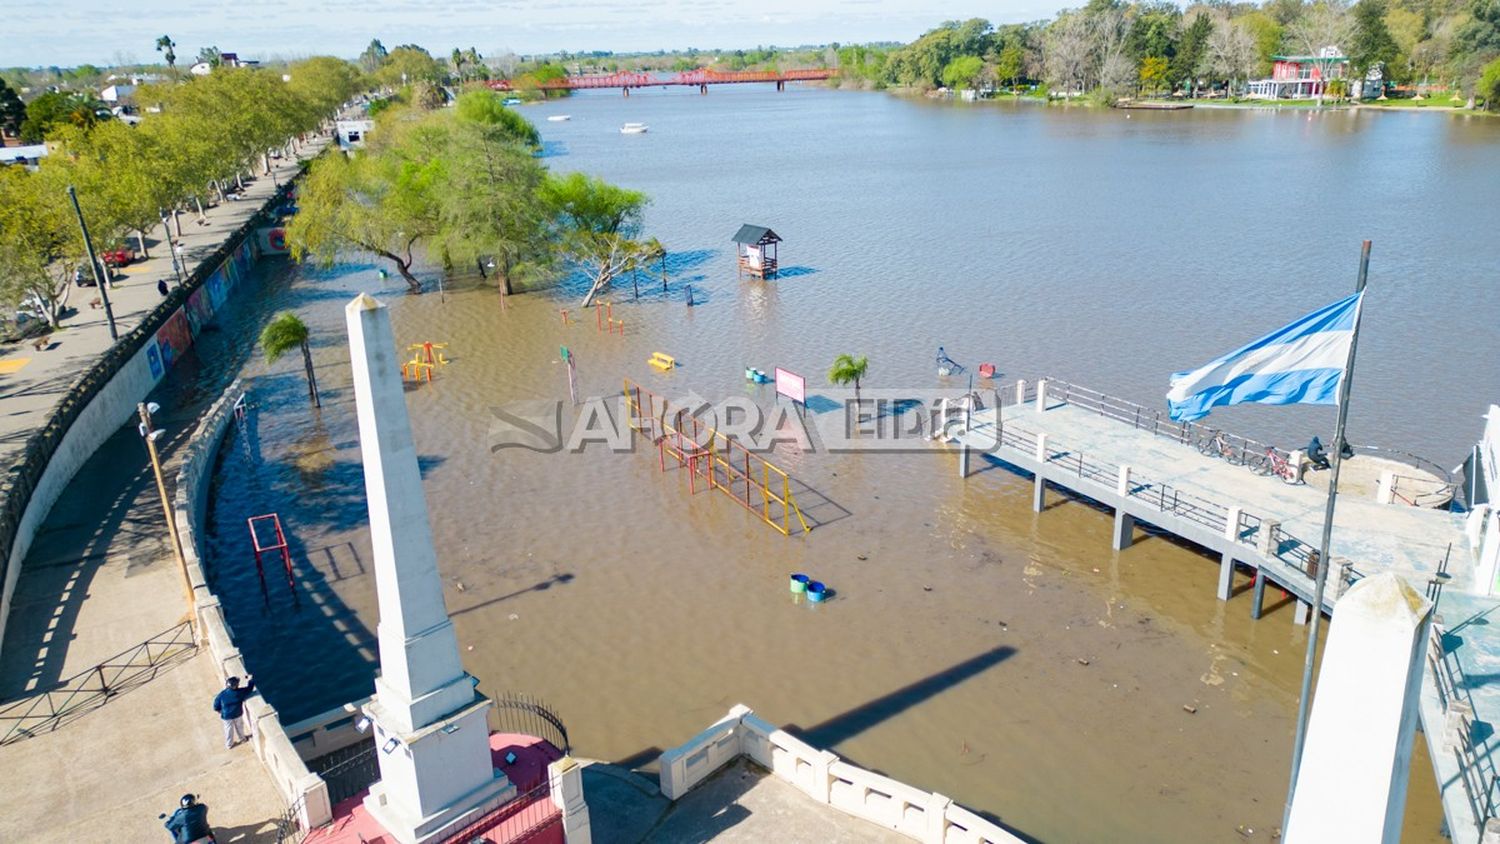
(1128, 460)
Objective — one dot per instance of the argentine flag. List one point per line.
(1299, 364)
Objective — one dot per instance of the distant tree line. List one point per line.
(1118, 48)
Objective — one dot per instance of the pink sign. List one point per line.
(791, 385)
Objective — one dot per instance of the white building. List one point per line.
(351, 133)
(115, 93)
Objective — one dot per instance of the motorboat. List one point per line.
(559, 118)
(633, 129)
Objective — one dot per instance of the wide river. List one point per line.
(1008, 659)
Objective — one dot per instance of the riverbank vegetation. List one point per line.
(196, 141)
(1109, 49)
(464, 186)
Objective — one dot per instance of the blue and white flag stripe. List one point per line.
(1301, 363)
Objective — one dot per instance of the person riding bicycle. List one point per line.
(190, 822)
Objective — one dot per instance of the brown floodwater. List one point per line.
(1008, 659)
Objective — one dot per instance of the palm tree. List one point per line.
(847, 368)
(285, 332)
(164, 46)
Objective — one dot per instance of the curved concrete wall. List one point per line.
(303, 790)
(103, 398)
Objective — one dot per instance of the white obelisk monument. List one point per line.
(1352, 783)
(431, 734)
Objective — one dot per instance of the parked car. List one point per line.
(118, 257)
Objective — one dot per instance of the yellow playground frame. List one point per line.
(725, 464)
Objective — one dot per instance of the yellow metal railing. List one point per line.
(758, 485)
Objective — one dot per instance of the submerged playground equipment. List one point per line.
(713, 458)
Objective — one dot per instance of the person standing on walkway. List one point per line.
(230, 704)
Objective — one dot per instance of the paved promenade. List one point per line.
(100, 578)
(31, 382)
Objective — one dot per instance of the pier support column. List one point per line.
(1226, 576)
(1124, 522)
(1039, 496)
(1300, 612)
(1020, 382)
(963, 460)
(1258, 597)
(1124, 530)
(1041, 395)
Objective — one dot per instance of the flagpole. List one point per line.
(1304, 703)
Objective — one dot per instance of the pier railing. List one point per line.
(1243, 449)
(90, 689)
(1297, 554)
(1477, 771)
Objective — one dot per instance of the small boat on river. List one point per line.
(559, 118)
(633, 129)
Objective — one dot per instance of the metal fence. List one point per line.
(511, 820)
(528, 716)
(90, 689)
(347, 771)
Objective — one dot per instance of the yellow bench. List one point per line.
(662, 361)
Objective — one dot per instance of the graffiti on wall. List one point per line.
(175, 337)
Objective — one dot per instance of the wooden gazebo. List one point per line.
(756, 247)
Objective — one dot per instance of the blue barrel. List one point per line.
(799, 583)
(815, 592)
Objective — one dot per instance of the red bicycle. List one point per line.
(1272, 463)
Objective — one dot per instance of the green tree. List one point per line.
(380, 204)
(1010, 64)
(1192, 51)
(583, 203)
(849, 369)
(210, 56)
(167, 47)
(287, 331)
(1372, 45)
(1489, 85)
(39, 246)
(488, 199)
(12, 110)
(597, 224)
(373, 56)
(1267, 35)
(1153, 73)
(962, 71)
(54, 109)
(409, 64)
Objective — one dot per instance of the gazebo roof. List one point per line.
(755, 235)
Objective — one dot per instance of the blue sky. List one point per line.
(69, 32)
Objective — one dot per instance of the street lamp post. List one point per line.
(150, 434)
(101, 280)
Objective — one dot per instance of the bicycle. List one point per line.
(1272, 463)
(1218, 446)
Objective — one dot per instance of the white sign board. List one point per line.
(791, 385)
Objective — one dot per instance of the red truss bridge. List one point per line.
(700, 79)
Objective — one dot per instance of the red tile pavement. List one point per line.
(531, 816)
